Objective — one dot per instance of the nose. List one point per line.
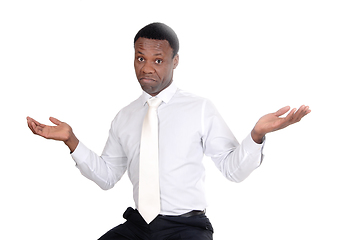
(148, 68)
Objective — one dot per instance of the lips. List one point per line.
(147, 80)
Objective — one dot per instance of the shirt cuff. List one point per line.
(251, 146)
(80, 153)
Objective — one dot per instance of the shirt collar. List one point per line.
(166, 94)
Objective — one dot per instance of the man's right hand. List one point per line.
(61, 132)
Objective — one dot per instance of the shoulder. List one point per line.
(193, 99)
(187, 97)
(129, 110)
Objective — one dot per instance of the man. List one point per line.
(187, 126)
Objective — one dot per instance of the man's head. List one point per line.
(159, 31)
(156, 56)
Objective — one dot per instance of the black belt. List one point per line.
(188, 214)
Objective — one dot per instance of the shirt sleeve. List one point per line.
(236, 161)
(105, 170)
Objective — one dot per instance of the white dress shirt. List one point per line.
(189, 127)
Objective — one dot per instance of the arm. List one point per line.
(104, 170)
(60, 132)
(237, 161)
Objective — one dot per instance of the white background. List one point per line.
(74, 60)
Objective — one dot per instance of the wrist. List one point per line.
(72, 142)
(257, 136)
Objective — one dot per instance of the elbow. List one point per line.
(237, 179)
(106, 188)
(238, 176)
(241, 172)
(106, 185)
(104, 181)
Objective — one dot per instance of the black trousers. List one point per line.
(162, 228)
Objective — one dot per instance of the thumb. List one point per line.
(55, 121)
(282, 111)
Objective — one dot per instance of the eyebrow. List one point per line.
(157, 54)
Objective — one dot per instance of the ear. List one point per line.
(175, 61)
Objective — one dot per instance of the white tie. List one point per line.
(149, 195)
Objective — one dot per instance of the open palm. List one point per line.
(59, 132)
(273, 121)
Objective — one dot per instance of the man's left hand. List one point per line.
(273, 121)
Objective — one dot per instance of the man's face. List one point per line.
(154, 64)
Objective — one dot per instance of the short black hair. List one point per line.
(159, 31)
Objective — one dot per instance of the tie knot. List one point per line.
(154, 102)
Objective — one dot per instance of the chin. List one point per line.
(148, 90)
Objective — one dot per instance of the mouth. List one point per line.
(147, 80)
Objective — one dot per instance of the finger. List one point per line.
(36, 122)
(29, 120)
(291, 114)
(304, 110)
(301, 112)
(31, 124)
(36, 129)
(301, 109)
(307, 110)
(55, 121)
(282, 111)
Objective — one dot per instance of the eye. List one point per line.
(158, 61)
(140, 59)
